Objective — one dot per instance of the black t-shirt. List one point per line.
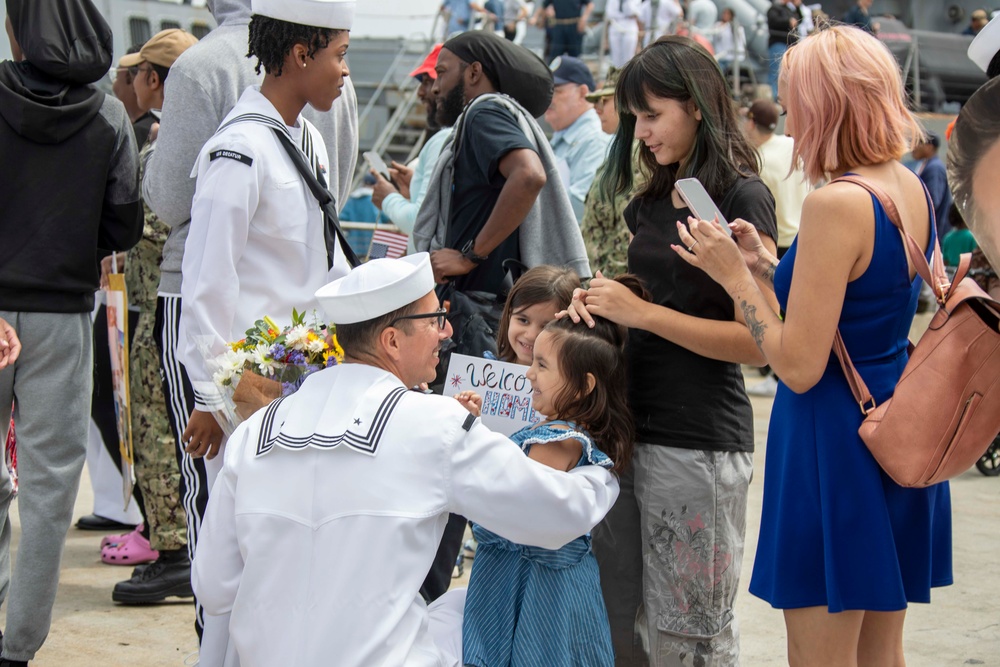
(567, 9)
(491, 131)
(679, 398)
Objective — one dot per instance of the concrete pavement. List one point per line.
(960, 627)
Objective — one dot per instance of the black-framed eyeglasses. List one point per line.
(441, 314)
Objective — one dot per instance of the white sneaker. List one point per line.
(469, 548)
(766, 387)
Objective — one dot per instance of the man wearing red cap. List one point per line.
(402, 210)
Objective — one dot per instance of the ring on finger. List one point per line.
(691, 247)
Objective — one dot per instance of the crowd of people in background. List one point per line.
(214, 178)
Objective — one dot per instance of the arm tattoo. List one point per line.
(768, 274)
(757, 328)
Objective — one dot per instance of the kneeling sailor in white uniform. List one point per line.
(332, 501)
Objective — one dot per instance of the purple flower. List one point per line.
(331, 361)
(288, 388)
(296, 357)
(277, 352)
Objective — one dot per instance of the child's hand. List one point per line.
(106, 269)
(471, 401)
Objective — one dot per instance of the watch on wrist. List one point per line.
(469, 254)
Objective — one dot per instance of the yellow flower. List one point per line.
(336, 349)
(271, 324)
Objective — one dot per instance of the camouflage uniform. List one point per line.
(156, 469)
(603, 225)
(604, 230)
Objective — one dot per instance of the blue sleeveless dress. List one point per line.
(835, 530)
(528, 606)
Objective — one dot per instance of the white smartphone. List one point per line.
(376, 162)
(700, 202)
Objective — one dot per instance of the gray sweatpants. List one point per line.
(51, 384)
(670, 553)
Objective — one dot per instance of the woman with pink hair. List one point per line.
(843, 549)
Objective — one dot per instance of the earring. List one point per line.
(304, 64)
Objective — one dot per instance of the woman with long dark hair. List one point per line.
(670, 550)
(843, 549)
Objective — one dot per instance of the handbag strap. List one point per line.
(332, 233)
(932, 273)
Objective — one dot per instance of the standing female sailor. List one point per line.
(259, 243)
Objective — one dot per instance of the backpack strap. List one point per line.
(932, 273)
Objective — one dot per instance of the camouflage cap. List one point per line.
(607, 89)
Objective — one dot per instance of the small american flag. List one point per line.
(387, 244)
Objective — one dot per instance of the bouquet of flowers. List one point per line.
(270, 362)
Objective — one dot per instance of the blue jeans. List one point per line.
(566, 41)
(774, 55)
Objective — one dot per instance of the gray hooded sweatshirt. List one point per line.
(204, 84)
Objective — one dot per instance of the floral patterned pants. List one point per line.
(670, 553)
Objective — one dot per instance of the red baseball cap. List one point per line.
(427, 67)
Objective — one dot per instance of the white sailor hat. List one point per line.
(332, 14)
(986, 44)
(377, 288)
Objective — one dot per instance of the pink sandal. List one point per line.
(116, 540)
(133, 551)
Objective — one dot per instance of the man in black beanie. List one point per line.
(487, 196)
(71, 190)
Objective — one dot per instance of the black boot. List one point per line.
(168, 576)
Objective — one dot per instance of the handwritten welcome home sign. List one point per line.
(504, 387)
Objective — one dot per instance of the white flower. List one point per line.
(297, 338)
(228, 366)
(222, 378)
(262, 358)
(316, 346)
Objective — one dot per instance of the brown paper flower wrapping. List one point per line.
(254, 392)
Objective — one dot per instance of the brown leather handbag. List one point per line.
(945, 410)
